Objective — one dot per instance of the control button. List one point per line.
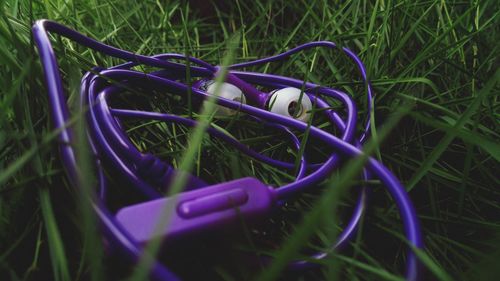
(212, 203)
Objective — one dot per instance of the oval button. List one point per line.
(212, 203)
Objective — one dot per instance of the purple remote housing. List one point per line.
(198, 210)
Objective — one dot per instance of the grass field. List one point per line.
(434, 69)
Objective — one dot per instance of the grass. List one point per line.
(434, 69)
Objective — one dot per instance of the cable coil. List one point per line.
(145, 171)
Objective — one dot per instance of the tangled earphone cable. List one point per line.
(206, 206)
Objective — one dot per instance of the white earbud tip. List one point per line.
(226, 91)
(288, 102)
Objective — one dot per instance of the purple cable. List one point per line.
(107, 138)
(60, 116)
(407, 212)
(176, 87)
(116, 133)
(325, 44)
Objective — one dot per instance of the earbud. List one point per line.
(288, 102)
(226, 91)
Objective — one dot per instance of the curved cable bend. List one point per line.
(326, 44)
(60, 118)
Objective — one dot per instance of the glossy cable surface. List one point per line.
(108, 139)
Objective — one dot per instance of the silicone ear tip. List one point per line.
(284, 102)
(226, 91)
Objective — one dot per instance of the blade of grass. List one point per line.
(186, 164)
(448, 138)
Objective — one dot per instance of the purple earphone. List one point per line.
(205, 207)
